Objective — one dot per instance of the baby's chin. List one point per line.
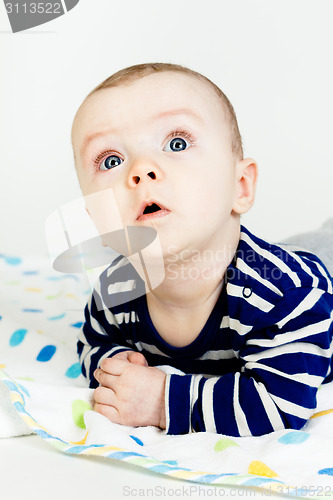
(149, 264)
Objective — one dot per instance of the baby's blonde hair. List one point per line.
(132, 73)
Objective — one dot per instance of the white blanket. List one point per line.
(43, 391)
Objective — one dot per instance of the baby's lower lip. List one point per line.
(154, 215)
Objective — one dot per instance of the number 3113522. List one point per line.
(33, 8)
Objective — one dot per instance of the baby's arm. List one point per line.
(130, 392)
(98, 340)
(284, 361)
(103, 334)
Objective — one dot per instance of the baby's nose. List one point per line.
(143, 169)
(137, 178)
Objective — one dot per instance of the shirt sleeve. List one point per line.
(99, 338)
(284, 360)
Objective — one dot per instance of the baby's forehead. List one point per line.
(162, 80)
(152, 94)
(157, 88)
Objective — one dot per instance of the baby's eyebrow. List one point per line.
(164, 114)
(175, 112)
(91, 137)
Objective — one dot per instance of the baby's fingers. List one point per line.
(137, 358)
(104, 396)
(108, 411)
(105, 379)
(114, 366)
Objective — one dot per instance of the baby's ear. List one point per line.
(246, 181)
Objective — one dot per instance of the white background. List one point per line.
(272, 58)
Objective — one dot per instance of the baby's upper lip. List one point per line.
(148, 203)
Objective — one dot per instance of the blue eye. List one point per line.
(177, 144)
(110, 162)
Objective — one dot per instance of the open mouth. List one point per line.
(150, 209)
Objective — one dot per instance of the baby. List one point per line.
(248, 324)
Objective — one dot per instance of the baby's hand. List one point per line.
(130, 392)
(132, 356)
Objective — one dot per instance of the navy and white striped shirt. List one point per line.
(258, 362)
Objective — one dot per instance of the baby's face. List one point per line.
(162, 139)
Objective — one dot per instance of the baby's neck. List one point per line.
(188, 291)
(179, 325)
(196, 278)
(181, 305)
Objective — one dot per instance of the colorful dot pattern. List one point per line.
(79, 407)
(294, 437)
(38, 330)
(38, 300)
(17, 337)
(73, 371)
(46, 353)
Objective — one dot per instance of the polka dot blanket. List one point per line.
(41, 312)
